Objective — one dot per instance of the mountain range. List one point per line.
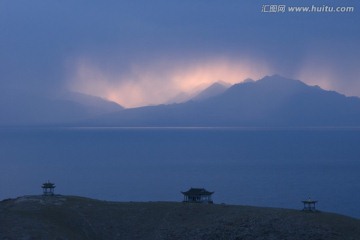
(273, 101)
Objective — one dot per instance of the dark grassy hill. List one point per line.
(65, 217)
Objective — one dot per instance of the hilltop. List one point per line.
(71, 217)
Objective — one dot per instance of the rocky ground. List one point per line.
(69, 217)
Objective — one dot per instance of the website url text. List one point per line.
(306, 9)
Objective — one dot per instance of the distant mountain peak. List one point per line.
(96, 105)
(214, 89)
(220, 82)
(278, 79)
(248, 80)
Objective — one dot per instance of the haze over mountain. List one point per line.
(143, 52)
(271, 101)
(211, 91)
(268, 102)
(38, 109)
(200, 93)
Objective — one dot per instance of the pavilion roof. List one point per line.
(309, 201)
(197, 191)
(48, 185)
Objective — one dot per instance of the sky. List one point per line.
(140, 52)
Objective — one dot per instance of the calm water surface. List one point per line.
(261, 167)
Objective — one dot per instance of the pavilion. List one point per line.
(197, 195)
(48, 188)
(309, 205)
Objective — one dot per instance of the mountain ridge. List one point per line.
(273, 101)
(40, 109)
(213, 90)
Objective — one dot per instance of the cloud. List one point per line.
(158, 82)
(138, 52)
(333, 66)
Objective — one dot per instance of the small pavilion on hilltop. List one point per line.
(197, 195)
(48, 188)
(309, 205)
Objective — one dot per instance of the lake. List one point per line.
(246, 166)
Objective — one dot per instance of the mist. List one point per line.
(147, 49)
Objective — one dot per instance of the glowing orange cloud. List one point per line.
(157, 83)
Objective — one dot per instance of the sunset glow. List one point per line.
(160, 82)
